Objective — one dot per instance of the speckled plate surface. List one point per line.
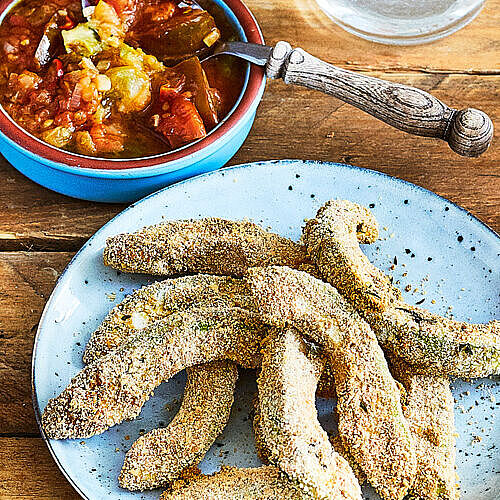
(445, 257)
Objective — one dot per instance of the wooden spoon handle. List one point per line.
(468, 132)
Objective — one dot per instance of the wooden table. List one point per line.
(40, 230)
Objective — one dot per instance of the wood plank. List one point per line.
(30, 472)
(323, 129)
(473, 49)
(34, 218)
(27, 281)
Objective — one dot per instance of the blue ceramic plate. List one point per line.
(443, 251)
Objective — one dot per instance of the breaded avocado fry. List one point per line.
(371, 421)
(332, 239)
(159, 457)
(259, 483)
(288, 421)
(435, 345)
(428, 407)
(157, 301)
(115, 387)
(211, 245)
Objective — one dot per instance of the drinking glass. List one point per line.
(401, 22)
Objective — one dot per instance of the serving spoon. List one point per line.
(468, 131)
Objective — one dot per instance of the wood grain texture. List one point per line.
(32, 217)
(293, 122)
(414, 111)
(337, 132)
(27, 280)
(28, 471)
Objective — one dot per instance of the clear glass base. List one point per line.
(401, 22)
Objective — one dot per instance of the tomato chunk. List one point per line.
(182, 123)
(107, 138)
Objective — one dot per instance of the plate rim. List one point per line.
(197, 178)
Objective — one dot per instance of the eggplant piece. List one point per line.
(51, 40)
(184, 35)
(203, 96)
(82, 40)
(224, 73)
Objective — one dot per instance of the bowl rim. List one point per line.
(86, 165)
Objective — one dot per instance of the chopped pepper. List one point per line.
(82, 40)
(181, 36)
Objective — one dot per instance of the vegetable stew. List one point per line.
(124, 82)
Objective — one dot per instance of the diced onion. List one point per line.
(212, 37)
(76, 96)
(103, 83)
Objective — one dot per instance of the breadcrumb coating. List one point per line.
(159, 457)
(371, 421)
(326, 385)
(260, 483)
(260, 445)
(289, 424)
(340, 448)
(436, 345)
(115, 387)
(427, 341)
(263, 452)
(157, 301)
(428, 407)
(340, 259)
(427, 401)
(143, 307)
(211, 245)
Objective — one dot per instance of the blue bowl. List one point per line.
(126, 180)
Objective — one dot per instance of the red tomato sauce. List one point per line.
(126, 82)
